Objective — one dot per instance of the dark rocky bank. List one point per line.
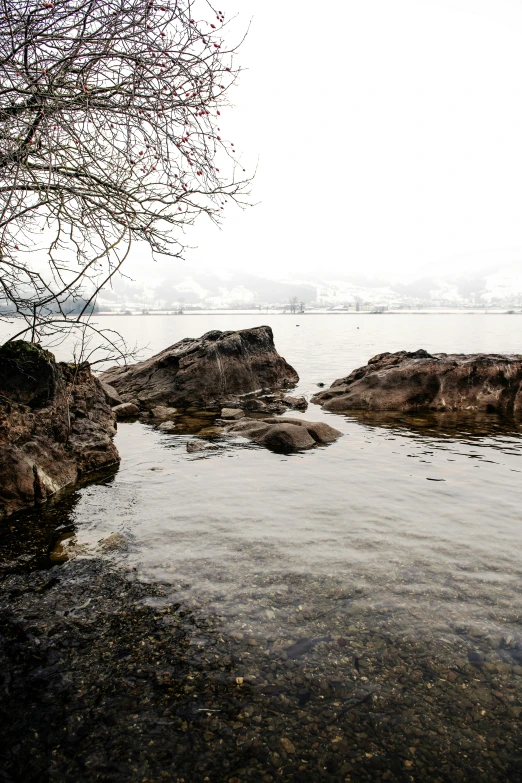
(419, 381)
(56, 426)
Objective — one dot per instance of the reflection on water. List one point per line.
(30, 538)
(445, 425)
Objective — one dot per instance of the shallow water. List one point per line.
(367, 594)
(420, 515)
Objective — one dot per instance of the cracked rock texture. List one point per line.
(205, 372)
(56, 426)
(419, 381)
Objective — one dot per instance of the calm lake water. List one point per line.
(422, 519)
(364, 598)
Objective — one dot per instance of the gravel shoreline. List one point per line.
(105, 678)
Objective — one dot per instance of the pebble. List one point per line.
(287, 745)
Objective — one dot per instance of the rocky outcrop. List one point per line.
(419, 381)
(285, 435)
(56, 426)
(205, 373)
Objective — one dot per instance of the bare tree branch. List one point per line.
(109, 114)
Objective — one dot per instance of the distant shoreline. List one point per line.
(311, 312)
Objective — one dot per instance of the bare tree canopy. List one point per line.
(109, 118)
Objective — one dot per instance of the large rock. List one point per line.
(56, 426)
(205, 372)
(284, 435)
(126, 410)
(419, 381)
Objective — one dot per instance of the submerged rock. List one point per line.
(205, 372)
(162, 412)
(56, 426)
(168, 426)
(232, 413)
(197, 444)
(419, 381)
(114, 542)
(285, 435)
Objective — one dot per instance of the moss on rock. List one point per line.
(28, 373)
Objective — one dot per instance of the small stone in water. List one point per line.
(342, 642)
(287, 745)
(114, 541)
(232, 413)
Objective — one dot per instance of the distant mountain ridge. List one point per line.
(183, 288)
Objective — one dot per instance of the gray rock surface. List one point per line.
(419, 381)
(285, 434)
(111, 395)
(56, 426)
(205, 372)
(126, 410)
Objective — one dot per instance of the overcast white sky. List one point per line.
(387, 136)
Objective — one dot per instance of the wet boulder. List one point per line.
(285, 435)
(126, 410)
(419, 381)
(56, 426)
(297, 403)
(205, 372)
